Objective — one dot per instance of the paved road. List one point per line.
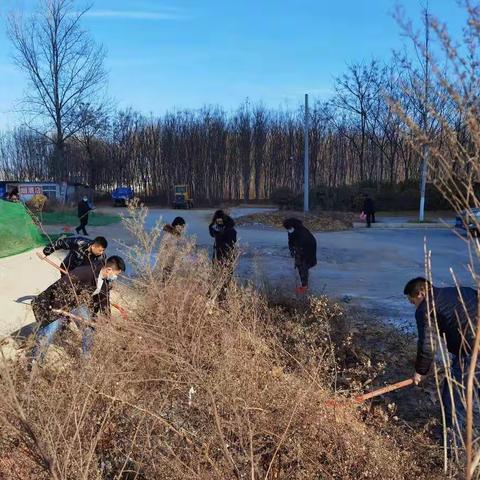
(368, 267)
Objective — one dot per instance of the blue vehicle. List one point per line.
(121, 196)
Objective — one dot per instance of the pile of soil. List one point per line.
(320, 221)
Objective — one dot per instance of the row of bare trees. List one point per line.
(356, 137)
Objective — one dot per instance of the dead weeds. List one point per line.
(191, 386)
(319, 221)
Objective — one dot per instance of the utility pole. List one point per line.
(306, 171)
(421, 214)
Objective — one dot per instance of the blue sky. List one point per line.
(185, 53)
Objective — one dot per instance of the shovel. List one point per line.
(381, 391)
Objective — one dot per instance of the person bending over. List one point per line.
(452, 313)
(81, 251)
(85, 292)
(303, 248)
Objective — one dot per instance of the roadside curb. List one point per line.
(405, 225)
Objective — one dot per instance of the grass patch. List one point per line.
(70, 218)
(315, 221)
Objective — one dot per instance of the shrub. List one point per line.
(188, 387)
(37, 203)
(283, 197)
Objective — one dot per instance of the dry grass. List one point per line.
(316, 221)
(189, 387)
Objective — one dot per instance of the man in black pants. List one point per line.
(222, 229)
(81, 251)
(451, 313)
(303, 247)
(83, 209)
(85, 292)
(369, 210)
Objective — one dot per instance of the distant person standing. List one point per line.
(369, 210)
(83, 210)
(222, 229)
(303, 248)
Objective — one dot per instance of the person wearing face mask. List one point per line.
(84, 292)
(450, 313)
(81, 251)
(303, 248)
(222, 229)
(83, 209)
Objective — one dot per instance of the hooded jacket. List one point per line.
(302, 244)
(71, 291)
(451, 309)
(78, 254)
(225, 238)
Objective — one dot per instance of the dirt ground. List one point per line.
(366, 268)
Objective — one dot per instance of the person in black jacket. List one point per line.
(83, 209)
(81, 251)
(84, 292)
(222, 229)
(369, 210)
(303, 248)
(450, 312)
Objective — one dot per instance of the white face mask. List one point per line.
(290, 230)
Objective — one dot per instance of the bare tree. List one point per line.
(64, 67)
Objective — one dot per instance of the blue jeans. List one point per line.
(46, 334)
(454, 397)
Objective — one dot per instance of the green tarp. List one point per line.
(18, 232)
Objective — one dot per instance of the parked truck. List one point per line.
(183, 197)
(121, 196)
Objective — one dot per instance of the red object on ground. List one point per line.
(301, 290)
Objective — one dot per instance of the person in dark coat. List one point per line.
(369, 210)
(453, 311)
(83, 209)
(81, 251)
(13, 195)
(222, 229)
(84, 292)
(303, 248)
